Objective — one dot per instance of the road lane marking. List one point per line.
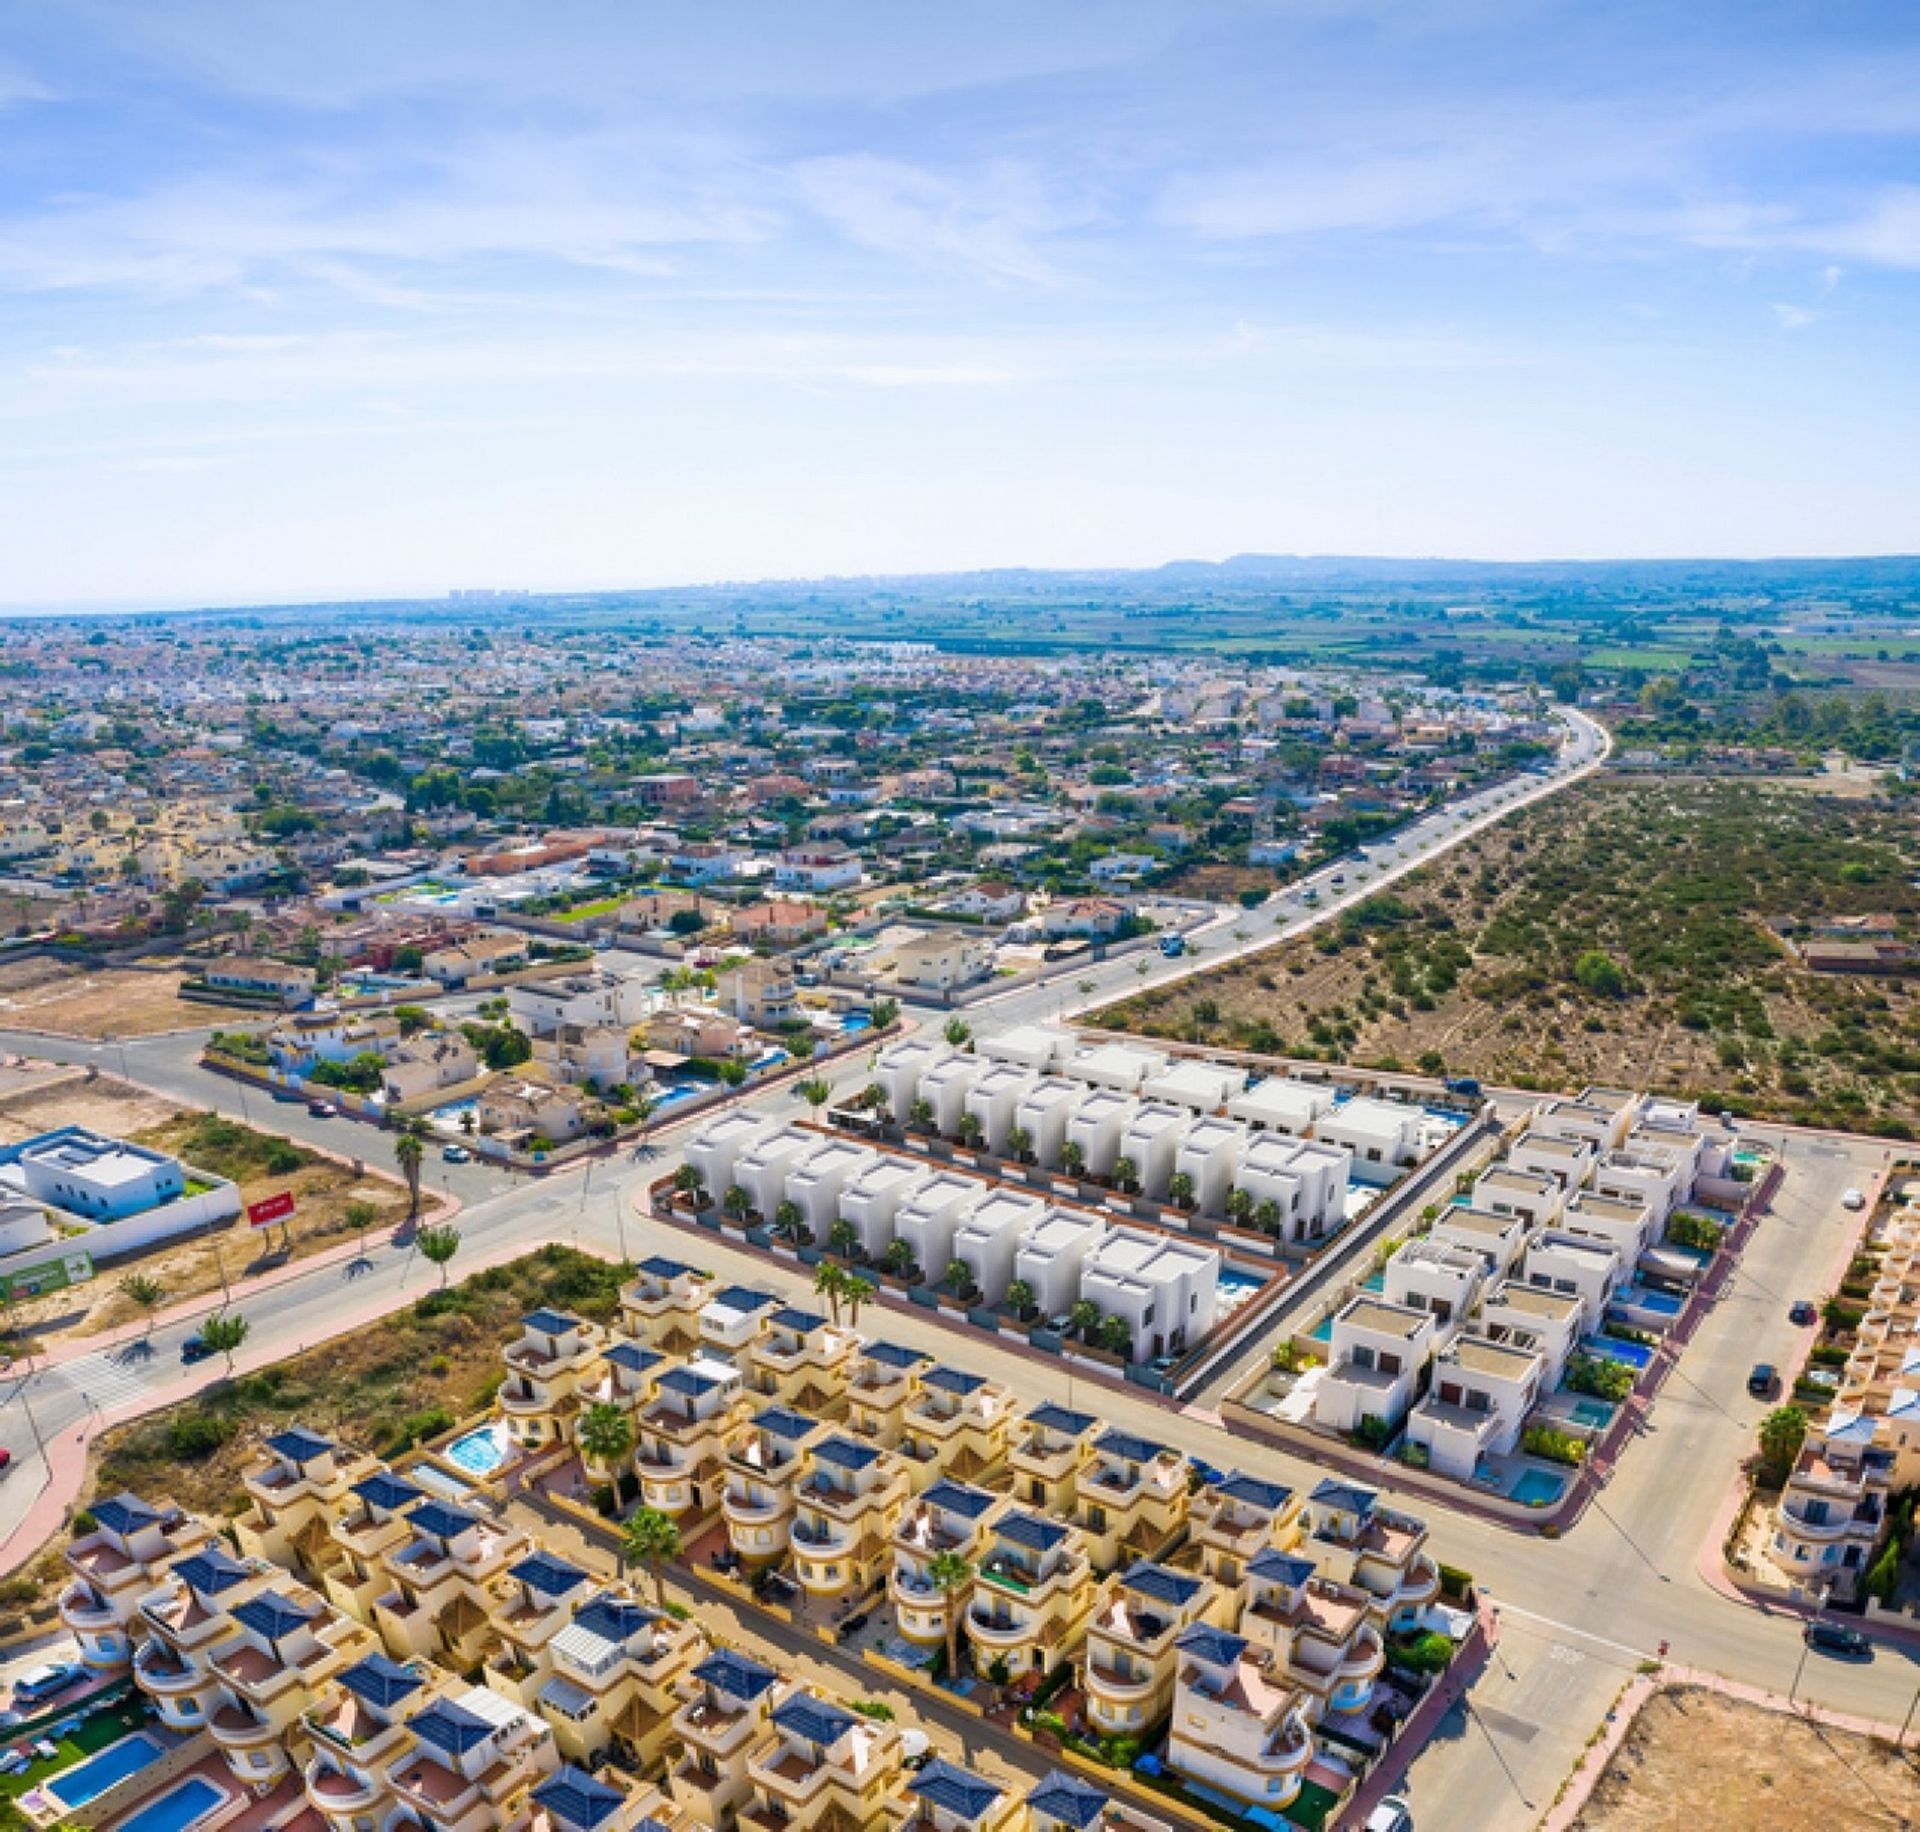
(1526, 1615)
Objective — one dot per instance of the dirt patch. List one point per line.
(102, 1104)
(1695, 1758)
(1623, 934)
(49, 995)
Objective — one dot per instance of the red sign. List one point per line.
(270, 1209)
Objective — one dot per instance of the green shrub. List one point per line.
(1422, 1653)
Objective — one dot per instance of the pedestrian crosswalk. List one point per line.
(114, 1376)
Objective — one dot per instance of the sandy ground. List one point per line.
(69, 1099)
(115, 1001)
(1698, 1760)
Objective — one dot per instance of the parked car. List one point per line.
(1763, 1380)
(322, 1109)
(852, 1626)
(1832, 1638)
(1852, 1199)
(43, 1682)
(1391, 1815)
(456, 1154)
(193, 1349)
(1803, 1312)
(12, 1762)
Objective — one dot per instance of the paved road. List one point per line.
(1579, 1613)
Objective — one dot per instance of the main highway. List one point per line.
(1578, 1614)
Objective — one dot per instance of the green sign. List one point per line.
(50, 1275)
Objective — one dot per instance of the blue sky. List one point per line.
(302, 300)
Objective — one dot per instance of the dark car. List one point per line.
(852, 1626)
(193, 1349)
(1763, 1381)
(1803, 1312)
(322, 1109)
(1831, 1638)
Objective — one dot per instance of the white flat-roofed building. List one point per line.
(994, 1099)
(1601, 1124)
(761, 1170)
(989, 1234)
(1305, 1179)
(1437, 1277)
(1151, 1143)
(1043, 1114)
(1120, 1066)
(1375, 1356)
(1583, 1269)
(945, 1086)
(927, 1219)
(1625, 1226)
(1383, 1135)
(1281, 1105)
(1053, 1255)
(103, 1179)
(900, 1066)
(872, 1197)
(1202, 1087)
(1660, 1176)
(817, 1179)
(1097, 1127)
(1523, 1316)
(1496, 1238)
(1037, 1047)
(1568, 1161)
(1476, 1405)
(718, 1146)
(1210, 1156)
(1167, 1290)
(1536, 1198)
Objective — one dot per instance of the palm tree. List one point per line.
(958, 1032)
(1180, 1189)
(605, 1435)
(651, 1539)
(224, 1333)
(951, 1574)
(898, 1258)
(1126, 1174)
(1019, 1143)
(844, 1238)
(1084, 1318)
(409, 1150)
(737, 1203)
(856, 1291)
(438, 1246)
(1020, 1298)
(1073, 1158)
(1116, 1337)
(829, 1282)
(145, 1293)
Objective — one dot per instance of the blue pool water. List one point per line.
(1634, 1354)
(1321, 1331)
(676, 1091)
(480, 1452)
(449, 1115)
(1537, 1489)
(90, 1779)
(1654, 1303)
(1595, 1414)
(856, 1021)
(187, 1805)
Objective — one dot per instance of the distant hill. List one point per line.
(1879, 570)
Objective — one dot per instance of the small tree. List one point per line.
(687, 1181)
(789, 1220)
(1782, 1432)
(1020, 1298)
(438, 1246)
(651, 1539)
(224, 1334)
(952, 1575)
(844, 1238)
(1240, 1206)
(737, 1203)
(409, 1152)
(1084, 1318)
(144, 1293)
(360, 1216)
(1126, 1174)
(920, 1115)
(898, 1258)
(1116, 1337)
(958, 1032)
(605, 1435)
(958, 1277)
(1266, 1217)
(733, 1073)
(1073, 1159)
(1180, 1189)
(816, 1091)
(971, 1131)
(885, 1013)
(1020, 1144)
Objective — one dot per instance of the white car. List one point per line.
(1391, 1815)
(1853, 1199)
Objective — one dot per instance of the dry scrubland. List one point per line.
(1696, 1759)
(1620, 933)
(49, 995)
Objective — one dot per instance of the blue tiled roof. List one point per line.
(954, 1789)
(660, 1267)
(1272, 1496)
(1162, 1584)
(548, 1576)
(893, 1355)
(1068, 1799)
(124, 1514)
(802, 1322)
(1348, 1496)
(441, 1519)
(271, 1615)
(633, 1357)
(735, 1675)
(784, 1422)
(845, 1453)
(685, 1380)
(380, 1681)
(814, 1719)
(450, 1727)
(957, 1498)
(1279, 1567)
(549, 1322)
(613, 1618)
(299, 1445)
(1060, 1418)
(575, 1798)
(743, 1297)
(956, 1381)
(1132, 1449)
(1213, 1645)
(1034, 1532)
(387, 1491)
(211, 1571)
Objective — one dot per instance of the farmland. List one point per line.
(1626, 933)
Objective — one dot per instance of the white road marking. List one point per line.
(1567, 1628)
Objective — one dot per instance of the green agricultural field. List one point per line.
(1626, 933)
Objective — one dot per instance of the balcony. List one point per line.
(336, 1792)
(1798, 1525)
(85, 1613)
(1363, 1660)
(1116, 1687)
(235, 1727)
(525, 1402)
(824, 1537)
(163, 1674)
(1001, 1631)
(744, 1511)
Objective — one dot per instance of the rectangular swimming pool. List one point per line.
(185, 1806)
(85, 1781)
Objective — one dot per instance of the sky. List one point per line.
(316, 301)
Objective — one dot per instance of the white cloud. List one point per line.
(1794, 317)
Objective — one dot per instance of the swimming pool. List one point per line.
(677, 1091)
(857, 1021)
(90, 1779)
(1634, 1354)
(1654, 1303)
(481, 1452)
(1537, 1489)
(185, 1806)
(1595, 1414)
